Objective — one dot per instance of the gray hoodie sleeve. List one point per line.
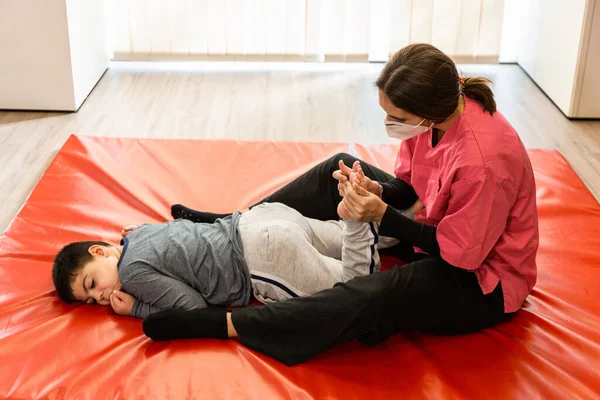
(154, 292)
(142, 310)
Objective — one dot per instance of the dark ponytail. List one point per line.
(478, 88)
(424, 81)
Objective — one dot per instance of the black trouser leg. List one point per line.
(427, 295)
(314, 194)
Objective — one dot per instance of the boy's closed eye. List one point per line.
(91, 300)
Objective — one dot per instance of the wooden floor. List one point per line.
(294, 102)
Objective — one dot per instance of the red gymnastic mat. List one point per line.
(95, 186)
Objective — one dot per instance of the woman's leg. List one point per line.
(314, 194)
(428, 295)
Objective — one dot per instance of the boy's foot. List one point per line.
(357, 177)
(180, 211)
(342, 211)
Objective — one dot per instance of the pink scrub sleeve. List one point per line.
(476, 217)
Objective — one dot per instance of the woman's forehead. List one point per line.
(391, 110)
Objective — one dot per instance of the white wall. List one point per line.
(549, 40)
(588, 105)
(35, 69)
(512, 30)
(87, 37)
(557, 50)
(52, 52)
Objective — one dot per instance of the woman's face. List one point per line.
(397, 114)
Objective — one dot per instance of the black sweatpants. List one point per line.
(427, 295)
(314, 194)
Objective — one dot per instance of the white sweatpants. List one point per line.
(289, 255)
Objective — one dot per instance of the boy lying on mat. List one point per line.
(271, 251)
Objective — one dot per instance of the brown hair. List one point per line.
(424, 81)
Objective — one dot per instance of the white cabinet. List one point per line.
(559, 49)
(52, 53)
(588, 86)
(530, 30)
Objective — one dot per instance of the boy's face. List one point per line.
(97, 279)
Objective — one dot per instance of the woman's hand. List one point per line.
(354, 176)
(363, 206)
(343, 177)
(418, 206)
(121, 302)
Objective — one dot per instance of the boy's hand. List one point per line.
(128, 229)
(121, 302)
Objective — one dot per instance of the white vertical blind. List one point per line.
(401, 15)
(197, 23)
(379, 31)
(421, 20)
(468, 34)
(314, 30)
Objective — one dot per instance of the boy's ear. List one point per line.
(97, 250)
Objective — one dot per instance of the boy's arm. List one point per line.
(154, 291)
(142, 310)
(123, 303)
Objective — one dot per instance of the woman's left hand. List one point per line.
(364, 206)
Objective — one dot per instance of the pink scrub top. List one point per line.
(478, 189)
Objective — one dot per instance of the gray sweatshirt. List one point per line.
(181, 264)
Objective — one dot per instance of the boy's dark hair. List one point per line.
(67, 264)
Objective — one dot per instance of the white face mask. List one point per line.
(402, 131)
